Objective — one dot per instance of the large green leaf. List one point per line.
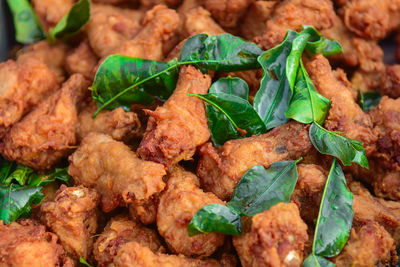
(239, 112)
(15, 202)
(260, 189)
(72, 22)
(223, 52)
(317, 44)
(215, 218)
(307, 105)
(317, 261)
(27, 27)
(121, 81)
(20, 174)
(220, 126)
(273, 97)
(44, 179)
(369, 100)
(337, 145)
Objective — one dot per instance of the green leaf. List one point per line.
(317, 261)
(273, 97)
(44, 179)
(73, 22)
(215, 218)
(20, 174)
(15, 202)
(6, 169)
(317, 44)
(220, 126)
(223, 52)
(239, 112)
(335, 215)
(307, 105)
(260, 189)
(334, 144)
(84, 263)
(121, 81)
(27, 27)
(369, 100)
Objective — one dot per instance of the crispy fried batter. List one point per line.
(276, 238)
(115, 171)
(72, 215)
(133, 254)
(119, 231)
(391, 83)
(27, 244)
(82, 60)
(50, 12)
(221, 168)
(178, 204)
(345, 114)
(46, 134)
(117, 123)
(146, 213)
(179, 126)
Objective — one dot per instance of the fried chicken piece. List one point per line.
(227, 12)
(152, 3)
(119, 231)
(27, 244)
(109, 26)
(115, 172)
(82, 60)
(23, 85)
(133, 254)
(386, 119)
(371, 19)
(117, 123)
(221, 168)
(292, 14)
(177, 128)
(199, 20)
(54, 56)
(46, 134)
(113, 2)
(276, 238)
(146, 213)
(50, 12)
(345, 114)
(369, 245)
(255, 19)
(387, 185)
(178, 204)
(72, 215)
(391, 83)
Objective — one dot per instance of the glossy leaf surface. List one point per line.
(369, 100)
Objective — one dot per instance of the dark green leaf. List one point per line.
(84, 263)
(215, 218)
(72, 22)
(317, 261)
(44, 179)
(294, 58)
(15, 202)
(220, 126)
(369, 100)
(307, 105)
(121, 81)
(239, 112)
(6, 169)
(27, 27)
(260, 189)
(335, 215)
(20, 174)
(273, 97)
(334, 144)
(223, 52)
(317, 44)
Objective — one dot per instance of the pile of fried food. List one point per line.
(140, 172)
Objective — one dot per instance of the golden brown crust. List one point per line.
(82, 60)
(177, 128)
(50, 12)
(276, 238)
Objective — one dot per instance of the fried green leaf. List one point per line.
(307, 105)
(238, 111)
(223, 52)
(273, 97)
(121, 81)
(369, 100)
(15, 202)
(337, 145)
(220, 126)
(317, 261)
(27, 27)
(335, 215)
(72, 22)
(215, 218)
(60, 174)
(259, 189)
